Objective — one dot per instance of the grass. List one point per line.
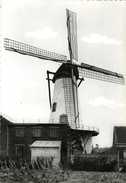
(96, 177)
(33, 176)
(59, 176)
(37, 171)
(41, 171)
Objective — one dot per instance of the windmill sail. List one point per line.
(94, 72)
(72, 34)
(85, 70)
(73, 51)
(27, 49)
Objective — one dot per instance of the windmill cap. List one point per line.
(65, 71)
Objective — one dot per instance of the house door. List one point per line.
(20, 151)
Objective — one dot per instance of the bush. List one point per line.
(39, 170)
(95, 163)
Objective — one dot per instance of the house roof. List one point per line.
(120, 134)
(25, 124)
(45, 143)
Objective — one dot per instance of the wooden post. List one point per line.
(49, 89)
(7, 141)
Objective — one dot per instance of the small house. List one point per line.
(28, 141)
(119, 143)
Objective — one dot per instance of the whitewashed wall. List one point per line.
(63, 96)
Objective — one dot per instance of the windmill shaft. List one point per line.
(71, 101)
(75, 98)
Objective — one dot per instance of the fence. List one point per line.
(35, 172)
(39, 163)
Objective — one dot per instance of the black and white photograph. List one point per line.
(63, 91)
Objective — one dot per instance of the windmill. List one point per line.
(68, 77)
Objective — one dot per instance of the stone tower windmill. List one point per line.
(68, 77)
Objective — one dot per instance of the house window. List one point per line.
(19, 132)
(54, 107)
(36, 132)
(53, 131)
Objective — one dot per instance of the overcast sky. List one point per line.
(101, 42)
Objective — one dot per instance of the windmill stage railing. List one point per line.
(88, 128)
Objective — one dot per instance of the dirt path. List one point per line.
(96, 177)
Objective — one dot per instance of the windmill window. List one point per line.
(54, 107)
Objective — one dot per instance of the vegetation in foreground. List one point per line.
(96, 177)
(32, 176)
(41, 171)
(59, 176)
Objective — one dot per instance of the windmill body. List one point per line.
(65, 96)
(65, 106)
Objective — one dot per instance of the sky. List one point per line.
(101, 42)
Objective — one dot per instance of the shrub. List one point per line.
(94, 163)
